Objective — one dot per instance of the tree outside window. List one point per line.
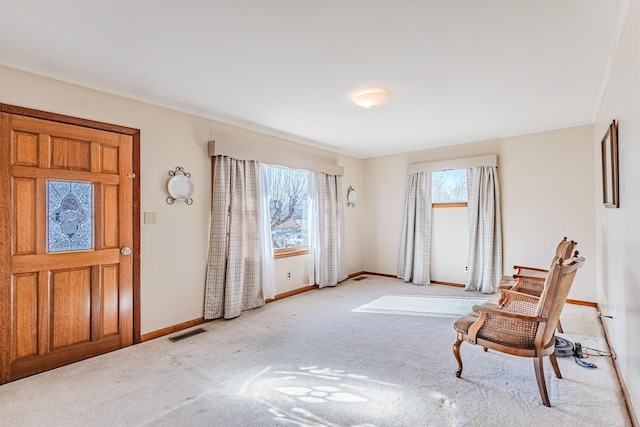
(449, 186)
(288, 202)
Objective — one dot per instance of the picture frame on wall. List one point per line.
(609, 148)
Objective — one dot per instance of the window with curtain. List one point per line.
(307, 217)
(247, 215)
(469, 183)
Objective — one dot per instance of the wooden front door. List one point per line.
(66, 244)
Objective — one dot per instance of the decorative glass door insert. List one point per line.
(69, 216)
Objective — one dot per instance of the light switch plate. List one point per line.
(150, 218)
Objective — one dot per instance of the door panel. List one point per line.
(25, 316)
(109, 157)
(111, 229)
(25, 215)
(69, 154)
(69, 291)
(25, 149)
(70, 307)
(109, 291)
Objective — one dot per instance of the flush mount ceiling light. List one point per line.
(371, 97)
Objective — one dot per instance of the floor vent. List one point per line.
(357, 279)
(187, 335)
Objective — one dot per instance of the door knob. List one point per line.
(125, 251)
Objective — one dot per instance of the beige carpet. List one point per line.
(311, 360)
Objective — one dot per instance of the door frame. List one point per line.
(135, 136)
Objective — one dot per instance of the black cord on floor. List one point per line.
(588, 351)
(584, 363)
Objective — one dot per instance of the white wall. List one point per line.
(174, 251)
(546, 192)
(449, 245)
(618, 230)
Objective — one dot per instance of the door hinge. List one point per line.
(131, 174)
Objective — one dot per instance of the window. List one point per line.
(288, 202)
(70, 221)
(449, 187)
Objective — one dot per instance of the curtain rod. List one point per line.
(462, 163)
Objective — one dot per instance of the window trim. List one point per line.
(289, 252)
(449, 205)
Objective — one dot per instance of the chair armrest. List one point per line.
(532, 271)
(521, 267)
(529, 277)
(502, 312)
(506, 326)
(512, 301)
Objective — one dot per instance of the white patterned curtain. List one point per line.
(415, 244)
(266, 242)
(485, 229)
(327, 254)
(234, 269)
(313, 230)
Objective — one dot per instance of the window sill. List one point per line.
(289, 252)
(449, 205)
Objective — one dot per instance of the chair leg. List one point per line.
(554, 363)
(537, 364)
(456, 354)
(559, 327)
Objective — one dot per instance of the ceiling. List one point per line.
(460, 70)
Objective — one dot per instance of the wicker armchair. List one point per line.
(524, 325)
(530, 280)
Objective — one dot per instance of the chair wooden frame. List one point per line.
(524, 325)
(530, 280)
